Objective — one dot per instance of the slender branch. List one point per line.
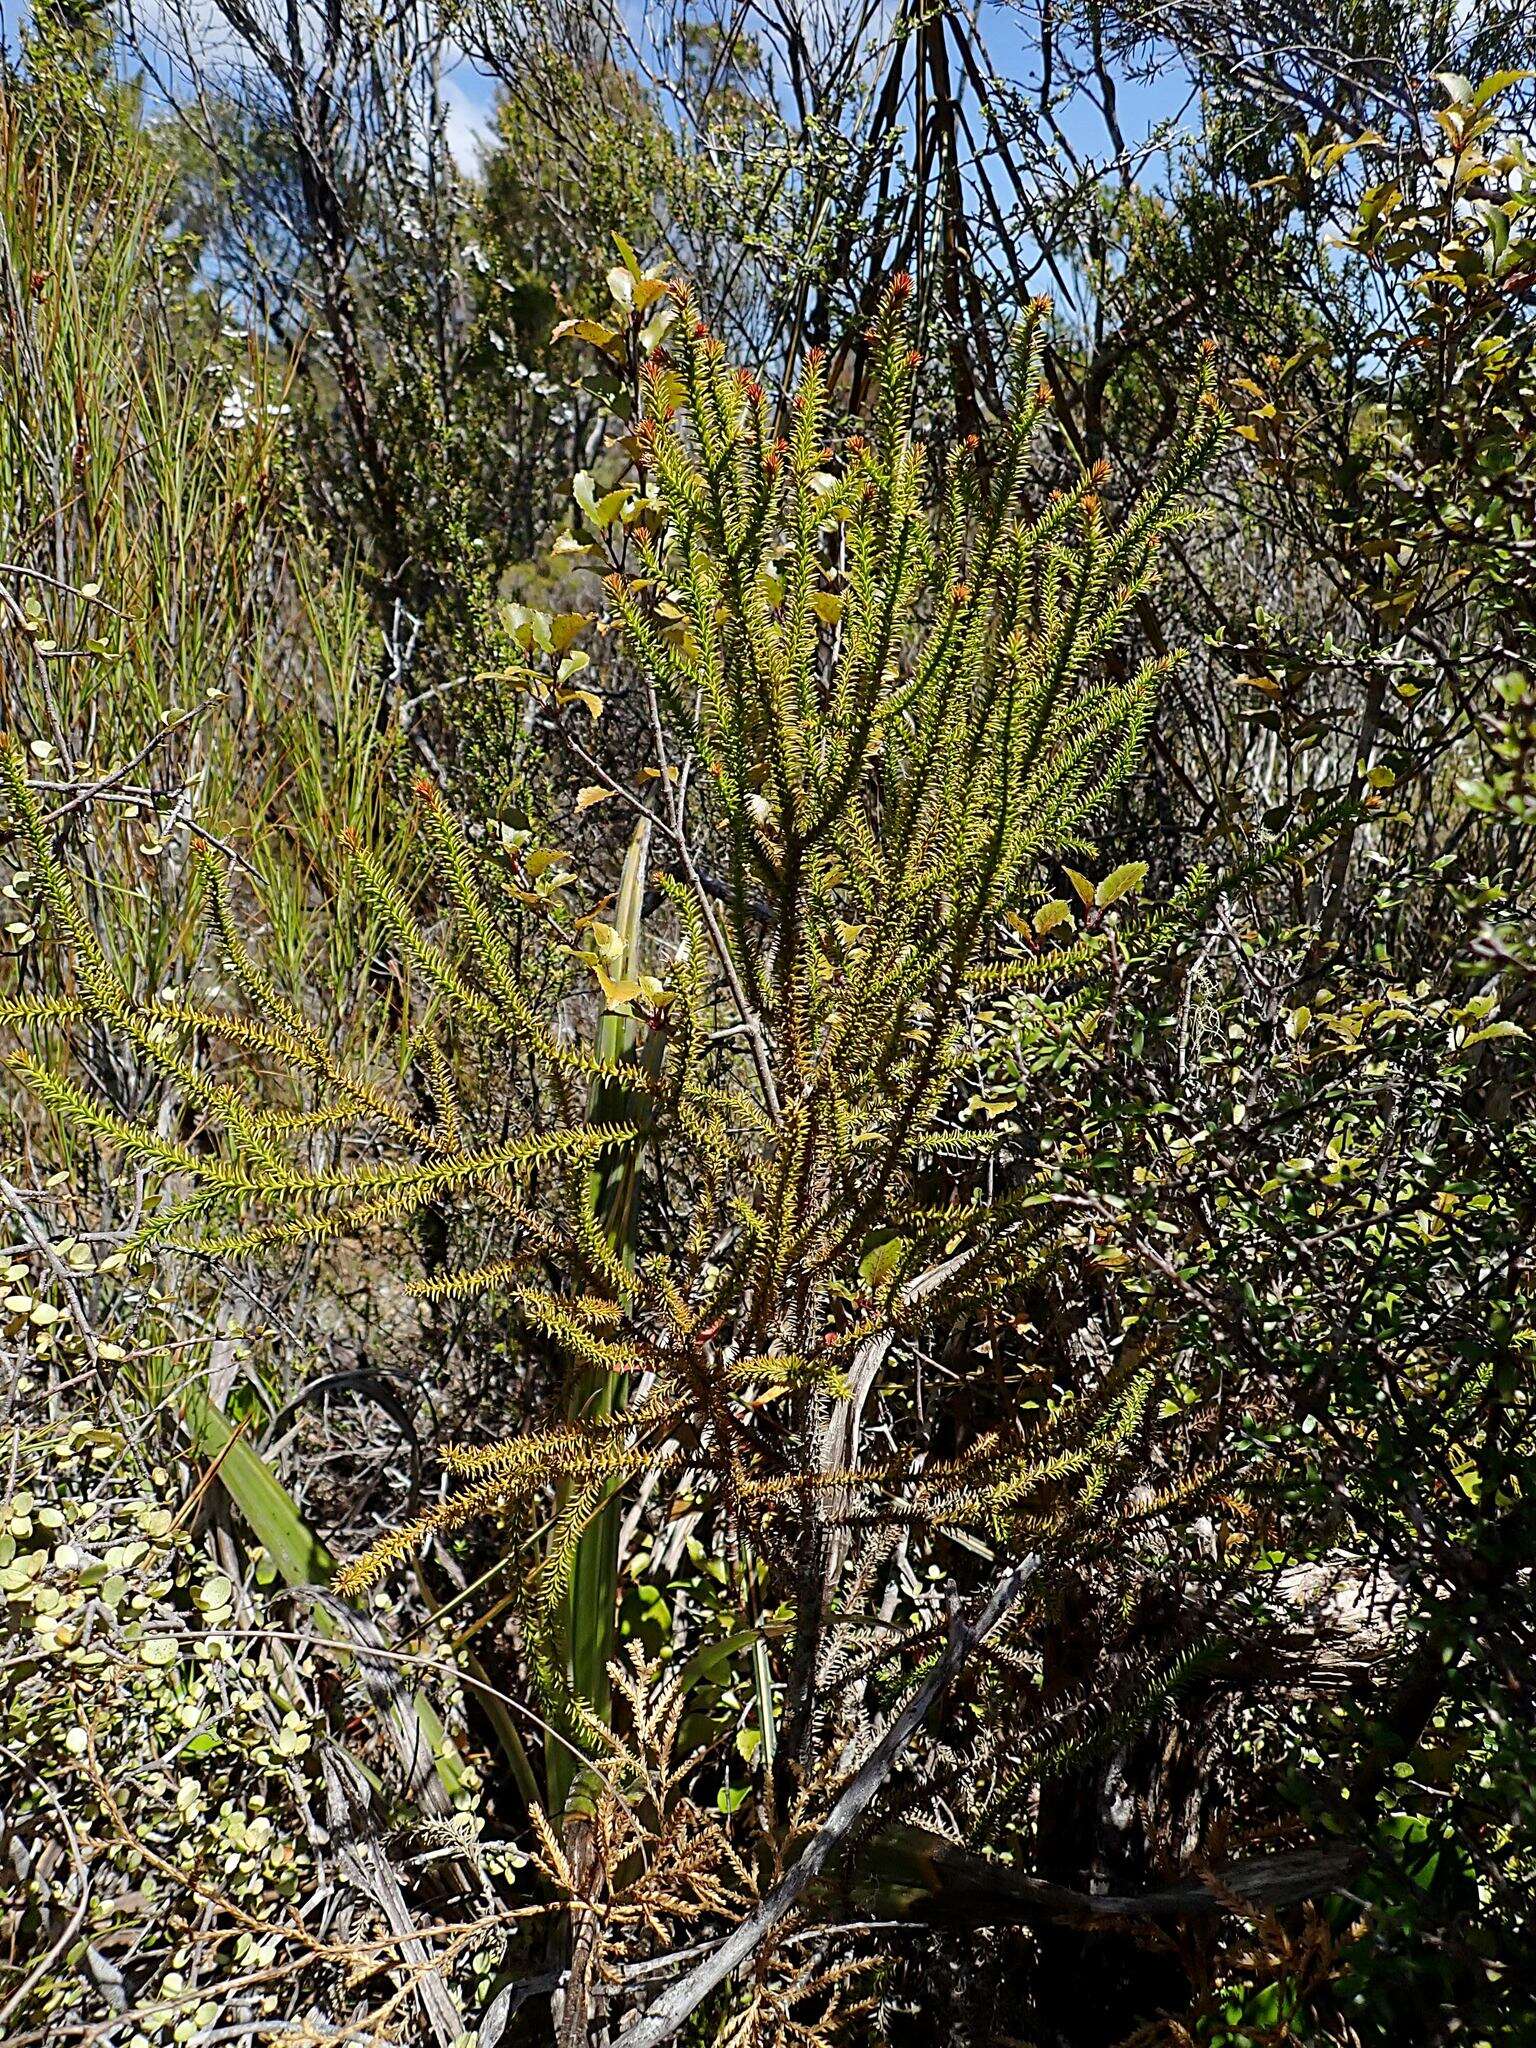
(757, 1038)
(914, 1875)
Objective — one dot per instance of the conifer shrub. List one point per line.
(712, 1144)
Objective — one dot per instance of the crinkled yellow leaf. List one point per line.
(1121, 881)
(590, 698)
(619, 994)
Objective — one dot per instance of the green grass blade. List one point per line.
(297, 1552)
(591, 1605)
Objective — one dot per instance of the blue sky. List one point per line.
(1006, 32)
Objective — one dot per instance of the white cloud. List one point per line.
(468, 116)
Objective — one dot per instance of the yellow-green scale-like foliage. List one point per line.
(884, 693)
